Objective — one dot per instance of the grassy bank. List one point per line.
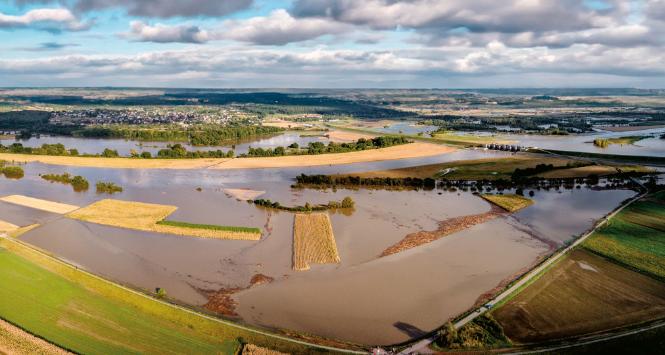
(635, 236)
(86, 314)
(210, 227)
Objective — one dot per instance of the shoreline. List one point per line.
(405, 151)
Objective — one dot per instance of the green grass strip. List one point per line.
(210, 227)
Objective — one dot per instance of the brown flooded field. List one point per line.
(584, 293)
(363, 298)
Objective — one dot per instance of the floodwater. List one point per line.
(651, 146)
(407, 127)
(364, 298)
(97, 145)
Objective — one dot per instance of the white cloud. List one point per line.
(279, 28)
(142, 32)
(46, 19)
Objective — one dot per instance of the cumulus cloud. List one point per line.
(142, 32)
(243, 66)
(156, 8)
(279, 28)
(46, 19)
(478, 16)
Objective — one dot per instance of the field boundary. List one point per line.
(52, 258)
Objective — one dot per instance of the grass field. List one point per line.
(468, 139)
(635, 236)
(75, 318)
(582, 293)
(210, 227)
(631, 159)
(510, 203)
(147, 217)
(478, 169)
(44, 205)
(313, 240)
(86, 314)
(599, 170)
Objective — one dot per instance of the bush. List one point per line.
(13, 172)
(110, 153)
(107, 187)
(348, 202)
(79, 183)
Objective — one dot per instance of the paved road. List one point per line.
(422, 347)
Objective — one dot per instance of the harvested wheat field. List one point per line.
(583, 293)
(243, 194)
(510, 203)
(15, 341)
(119, 163)
(6, 227)
(313, 240)
(251, 349)
(403, 151)
(145, 217)
(44, 205)
(346, 136)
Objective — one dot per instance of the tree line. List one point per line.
(333, 180)
(314, 148)
(347, 202)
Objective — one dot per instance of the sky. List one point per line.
(333, 43)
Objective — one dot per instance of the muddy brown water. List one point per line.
(363, 299)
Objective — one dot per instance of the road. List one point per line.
(422, 347)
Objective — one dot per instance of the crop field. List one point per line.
(510, 203)
(15, 341)
(147, 217)
(636, 236)
(581, 294)
(44, 205)
(86, 314)
(313, 240)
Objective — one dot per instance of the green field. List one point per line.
(496, 168)
(83, 313)
(210, 227)
(636, 236)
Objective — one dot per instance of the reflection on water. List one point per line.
(360, 299)
(652, 146)
(97, 146)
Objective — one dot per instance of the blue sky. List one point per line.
(333, 43)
